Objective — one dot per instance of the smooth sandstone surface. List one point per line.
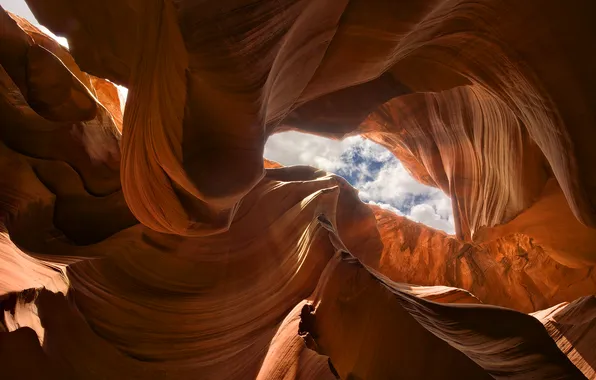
(158, 243)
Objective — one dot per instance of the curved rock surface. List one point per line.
(512, 271)
(160, 244)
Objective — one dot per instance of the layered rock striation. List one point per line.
(158, 243)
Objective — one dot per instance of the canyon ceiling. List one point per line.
(158, 243)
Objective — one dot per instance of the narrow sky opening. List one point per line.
(369, 167)
(20, 8)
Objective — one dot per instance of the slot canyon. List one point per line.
(155, 239)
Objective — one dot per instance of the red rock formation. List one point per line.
(512, 271)
(159, 243)
(403, 331)
(570, 325)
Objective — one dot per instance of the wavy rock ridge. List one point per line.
(159, 244)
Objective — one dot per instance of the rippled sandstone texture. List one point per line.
(159, 244)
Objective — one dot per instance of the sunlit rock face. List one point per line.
(159, 244)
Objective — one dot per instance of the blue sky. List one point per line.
(369, 167)
(373, 170)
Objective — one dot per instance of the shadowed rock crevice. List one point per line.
(159, 243)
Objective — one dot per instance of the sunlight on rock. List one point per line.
(162, 249)
(380, 178)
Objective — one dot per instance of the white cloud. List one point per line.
(425, 213)
(381, 179)
(294, 148)
(395, 185)
(386, 207)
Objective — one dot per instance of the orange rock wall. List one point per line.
(512, 271)
(160, 244)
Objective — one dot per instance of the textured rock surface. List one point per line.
(512, 271)
(159, 244)
(465, 341)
